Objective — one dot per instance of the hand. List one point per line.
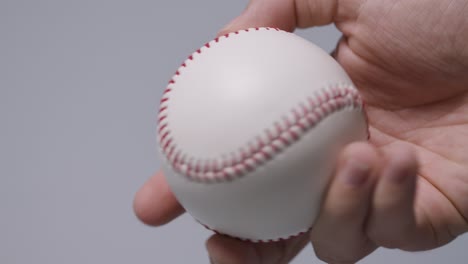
(408, 187)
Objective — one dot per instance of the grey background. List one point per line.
(80, 83)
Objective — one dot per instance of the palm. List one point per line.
(439, 139)
(430, 85)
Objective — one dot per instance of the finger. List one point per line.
(284, 14)
(392, 223)
(338, 235)
(155, 204)
(226, 250)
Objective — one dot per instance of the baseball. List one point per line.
(250, 128)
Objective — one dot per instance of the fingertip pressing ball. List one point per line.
(250, 128)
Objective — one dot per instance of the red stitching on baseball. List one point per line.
(162, 118)
(302, 126)
(294, 134)
(257, 152)
(161, 128)
(171, 151)
(284, 132)
(177, 156)
(257, 240)
(167, 144)
(265, 154)
(164, 136)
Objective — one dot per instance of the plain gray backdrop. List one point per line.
(80, 83)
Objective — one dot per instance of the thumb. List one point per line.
(284, 14)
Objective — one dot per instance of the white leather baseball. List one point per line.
(250, 128)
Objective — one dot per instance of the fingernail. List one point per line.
(355, 173)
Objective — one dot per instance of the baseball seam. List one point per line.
(283, 133)
(259, 240)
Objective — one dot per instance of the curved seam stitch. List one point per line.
(231, 169)
(283, 238)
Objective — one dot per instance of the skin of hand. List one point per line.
(407, 187)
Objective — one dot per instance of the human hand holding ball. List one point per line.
(372, 199)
